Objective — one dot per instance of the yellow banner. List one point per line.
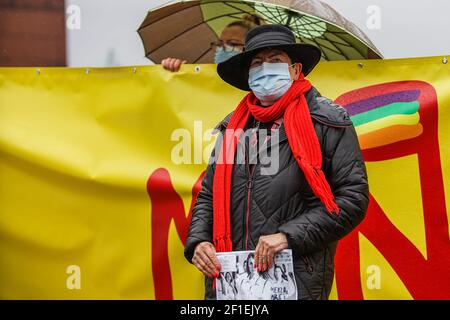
(95, 197)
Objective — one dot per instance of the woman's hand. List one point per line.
(205, 259)
(266, 249)
(172, 64)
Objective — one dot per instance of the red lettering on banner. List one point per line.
(424, 278)
(167, 205)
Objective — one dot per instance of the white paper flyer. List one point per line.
(239, 280)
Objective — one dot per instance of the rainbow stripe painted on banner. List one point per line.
(387, 118)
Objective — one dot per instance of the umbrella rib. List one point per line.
(344, 43)
(339, 51)
(299, 26)
(161, 18)
(187, 30)
(324, 53)
(335, 49)
(352, 46)
(236, 8)
(279, 16)
(310, 23)
(235, 17)
(320, 47)
(309, 41)
(227, 3)
(278, 19)
(368, 44)
(335, 44)
(267, 11)
(201, 55)
(209, 49)
(338, 32)
(307, 23)
(288, 20)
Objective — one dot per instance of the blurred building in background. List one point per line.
(32, 33)
(40, 33)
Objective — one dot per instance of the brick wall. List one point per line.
(32, 33)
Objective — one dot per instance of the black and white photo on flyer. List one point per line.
(239, 280)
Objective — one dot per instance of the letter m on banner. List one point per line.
(167, 205)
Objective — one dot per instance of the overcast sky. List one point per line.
(107, 32)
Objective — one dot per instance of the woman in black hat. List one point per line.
(315, 194)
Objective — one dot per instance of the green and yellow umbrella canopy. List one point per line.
(186, 29)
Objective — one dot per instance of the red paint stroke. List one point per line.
(425, 278)
(167, 205)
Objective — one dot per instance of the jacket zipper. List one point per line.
(249, 187)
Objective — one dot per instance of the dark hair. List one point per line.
(283, 271)
(249, 21)
(247, 267)
(228, 274)
(274, 271)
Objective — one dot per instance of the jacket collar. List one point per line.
(322, 110)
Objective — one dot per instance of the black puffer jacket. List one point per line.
(284, 202)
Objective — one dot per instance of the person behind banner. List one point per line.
(317, 194)
(230, 43)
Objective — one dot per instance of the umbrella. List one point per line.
(186, 29)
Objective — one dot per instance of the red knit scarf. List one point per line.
(302, 139)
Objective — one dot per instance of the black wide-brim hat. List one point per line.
(276, 36)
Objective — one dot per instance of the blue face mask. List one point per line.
(270, 80)
(222, 55)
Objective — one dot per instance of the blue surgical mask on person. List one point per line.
(270, 81)
(222, 54)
